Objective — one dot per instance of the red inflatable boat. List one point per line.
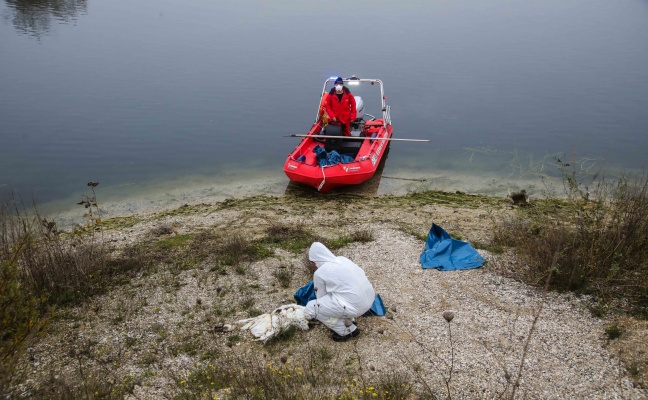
(360, 153)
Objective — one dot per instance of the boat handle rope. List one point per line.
(323, 180)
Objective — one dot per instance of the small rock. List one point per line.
(519, 198)
(198, 301)
(393, 308)
(222, 328)
(381, 330)
(284, 359)
(389, 316)
(448, 316)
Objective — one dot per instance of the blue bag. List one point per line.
(331, 158)
(446, 254)
(305, 294)
(377, 308)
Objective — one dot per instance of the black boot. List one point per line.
(339, 338)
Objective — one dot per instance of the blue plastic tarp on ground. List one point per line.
(446, 254)
(332, 158)
(306, 293)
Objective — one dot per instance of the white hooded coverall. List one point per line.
(342, 289)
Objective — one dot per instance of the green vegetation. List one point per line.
(362, 236)
(598, 239)
(177, 241)
(292, 238)
(284, 276)
(120, 222)
(490, 247)
(614, 331)
(42, 266)
(255, 379)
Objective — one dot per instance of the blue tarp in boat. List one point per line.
(446, 254)
(306, 293)
(332, 158)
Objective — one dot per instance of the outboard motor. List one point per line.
(359, 107)
(357, 125)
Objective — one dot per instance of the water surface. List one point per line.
(188, 98)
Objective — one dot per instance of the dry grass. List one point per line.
(168, 274)
(600, 239)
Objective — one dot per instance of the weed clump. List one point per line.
(363, 236)
(161, 230)
(40, 267)
(284, 276)
(232, 250)
(613, 331)
(292, 238)
(599, 239)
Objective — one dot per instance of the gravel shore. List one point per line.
(159, 326)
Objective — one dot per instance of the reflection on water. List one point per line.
(34, 17)
(185, 94)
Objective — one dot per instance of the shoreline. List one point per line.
(155, 197)
(157, 328)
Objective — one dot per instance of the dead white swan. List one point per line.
(267, 326)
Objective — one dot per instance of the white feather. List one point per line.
(267, 326)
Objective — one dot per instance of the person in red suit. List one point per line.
(341, 106)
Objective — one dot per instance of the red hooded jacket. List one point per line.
(344, 109)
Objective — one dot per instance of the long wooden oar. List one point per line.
(357, 138)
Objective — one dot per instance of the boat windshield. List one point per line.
(371, 96)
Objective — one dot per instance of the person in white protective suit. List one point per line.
(343, 292)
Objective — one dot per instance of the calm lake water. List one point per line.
(174, 97)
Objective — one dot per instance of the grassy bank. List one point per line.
(588, 243)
